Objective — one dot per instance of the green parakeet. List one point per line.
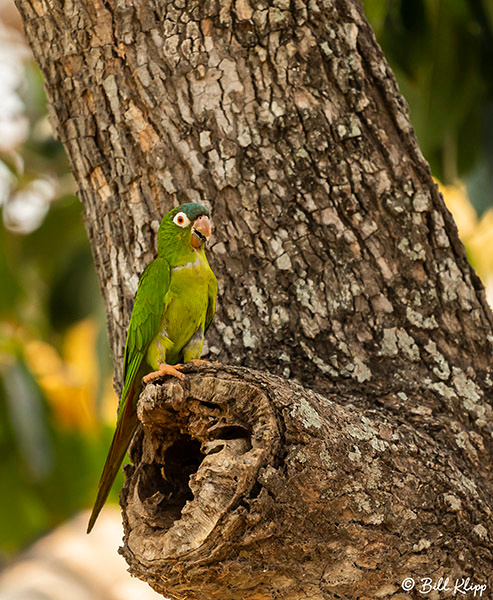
(174, 306)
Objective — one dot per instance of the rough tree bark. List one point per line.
(339, 268)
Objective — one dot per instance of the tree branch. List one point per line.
(246, 485)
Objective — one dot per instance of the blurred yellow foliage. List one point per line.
(458, 203)
(476, 234)
(70, 380)
(109, 403)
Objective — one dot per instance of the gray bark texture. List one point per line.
(350, 445)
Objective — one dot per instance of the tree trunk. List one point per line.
(339, 268)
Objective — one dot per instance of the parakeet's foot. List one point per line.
(163, 370)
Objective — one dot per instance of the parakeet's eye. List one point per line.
(181, 220)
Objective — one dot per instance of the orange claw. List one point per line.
(164, 369)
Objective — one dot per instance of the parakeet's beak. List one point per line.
(201, 231)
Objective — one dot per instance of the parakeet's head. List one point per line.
(188, 224)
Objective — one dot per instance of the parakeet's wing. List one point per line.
(144, 323)
(211, 305)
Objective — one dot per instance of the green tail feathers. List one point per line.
(124, 432)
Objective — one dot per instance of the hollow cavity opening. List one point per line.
(166, 486)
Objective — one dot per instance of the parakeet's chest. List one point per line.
(186, 300)
(188, 291)
(189, 279)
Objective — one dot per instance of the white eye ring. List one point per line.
(181, 220)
